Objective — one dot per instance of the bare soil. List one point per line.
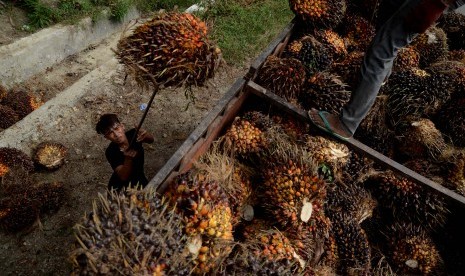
(44, 249)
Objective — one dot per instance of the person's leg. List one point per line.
(377, 64)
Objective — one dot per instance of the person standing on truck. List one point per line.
(411, 18)
(127, 162)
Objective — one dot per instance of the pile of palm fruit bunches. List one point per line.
(270, 197)
(24, 197)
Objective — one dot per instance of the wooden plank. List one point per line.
(354, 144)
(173, 163)
(258, 62)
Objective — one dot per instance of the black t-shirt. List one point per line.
(116, 158)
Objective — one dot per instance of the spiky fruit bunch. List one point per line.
(325, 91)
(357, 166)
(327, 152)
(314, 55)
(367, 8)
(17, 213)
(410, 96)
(407, 57)
(50, 195)
(450, 120)
(333, 40)
(432, 46)
(374, 131)
(283, 76)
(208, 217)
(50, 155)
(412, 251)
(130, 233)
(247, 259)
(244, 137)
(422, 139)
(258, 119)
(11, 157)
(319, 13)
(21, 102)
(352, 244)
(290, 125)
(453, 165)
(291, 188)
(357, 32)
(408, 200)
(426, 168)
(453, 24)
(349, 198)
(8, 117)
(173, 47)
(448, 77)
(348, 69)
(457, 55)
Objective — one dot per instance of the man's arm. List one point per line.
(124, 171)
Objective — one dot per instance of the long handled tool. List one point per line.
(156, 88)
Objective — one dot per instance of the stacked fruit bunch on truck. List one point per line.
(272, 197)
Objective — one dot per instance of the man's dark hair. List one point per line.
(105, 122)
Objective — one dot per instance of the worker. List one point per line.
(127, 162)
(411, 18)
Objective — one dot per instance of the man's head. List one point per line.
(111, 128)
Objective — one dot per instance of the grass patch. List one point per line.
(244, 28)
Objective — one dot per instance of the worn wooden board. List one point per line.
(354, 144)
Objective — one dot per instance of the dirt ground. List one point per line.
(44, 249)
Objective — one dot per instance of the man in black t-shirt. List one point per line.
(127, 163)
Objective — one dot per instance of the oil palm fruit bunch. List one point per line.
(448, 77)
(334, 41)
(432, 46)
(11, 157)
(453, 169)
(283, 76)
(374, 130)
(314, 55)
(357, 166)
(17, 213)
(292, 188)
(453, 24)
(130, 233)
(357, 32)
(246, 259)
(407, 57)
(367, 8)
(294, 128)
(208, 217)
(456, 55)
(50, 195)
(407, 200)
(8, 117)
(21, 102)
(348, 69)
(244, 137)
(427, 168)
(352, 244)
(319, 13)
(412, 251)
(351, 199)
(410, 96)
(450, 120)
(325, 91)
(327, 152)
(172, 47)
(259, 119)
(50, 155)
(421, 139)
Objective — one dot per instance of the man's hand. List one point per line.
(129, 153)
(422, 16)
(144, 137)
